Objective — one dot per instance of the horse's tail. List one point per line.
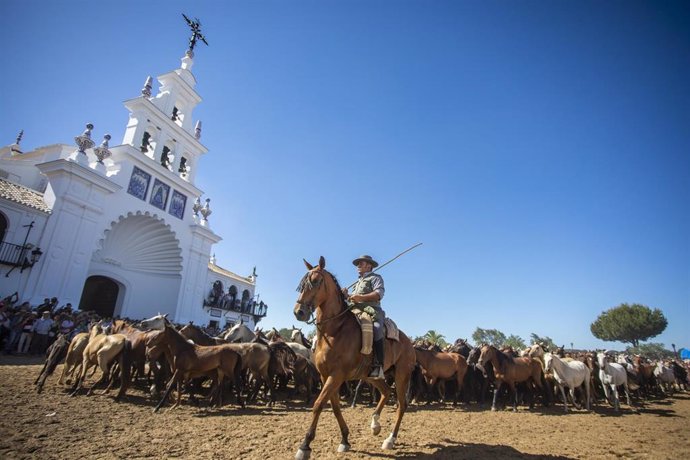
(125, 365)
(282, 358)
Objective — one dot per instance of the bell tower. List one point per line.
(162, 126)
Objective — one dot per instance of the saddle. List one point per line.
(366, 324)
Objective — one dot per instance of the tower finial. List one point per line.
(196, 34)
(197, 130)
(19, 137)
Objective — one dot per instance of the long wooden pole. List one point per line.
(383, 265)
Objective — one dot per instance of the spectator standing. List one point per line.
(41, 337)
(16, 319)
(45, 306)
(27, 325)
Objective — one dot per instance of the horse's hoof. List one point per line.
(375, 425)
(303, 454)
(389, 443)
(343, 448)
(493, 409)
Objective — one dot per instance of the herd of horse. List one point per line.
(161, 357)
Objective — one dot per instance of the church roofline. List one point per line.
(22, 195)
(56, 166)
(221, 271)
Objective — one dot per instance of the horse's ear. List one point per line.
(322, 262)
(309, 266)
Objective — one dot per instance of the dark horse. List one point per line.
(338, 358)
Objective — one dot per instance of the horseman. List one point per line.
(367, 295)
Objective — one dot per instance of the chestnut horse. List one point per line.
(438, 366)
(511, 371)
(338, 359)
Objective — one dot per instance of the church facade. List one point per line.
(122, 230)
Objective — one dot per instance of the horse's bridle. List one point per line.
(307, 283)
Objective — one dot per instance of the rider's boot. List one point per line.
(377, 364)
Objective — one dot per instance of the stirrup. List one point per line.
(376, 372)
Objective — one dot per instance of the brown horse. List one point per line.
(199, 337)
(440, 366)
(138, 339)
(511, 371)
(189, 361)
(338, 358)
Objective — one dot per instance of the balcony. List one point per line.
(250, 307)
(19, 256)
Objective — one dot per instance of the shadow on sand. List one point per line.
(459, 451)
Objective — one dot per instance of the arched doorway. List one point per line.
(99, 295)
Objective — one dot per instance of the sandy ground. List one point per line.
(54, 425)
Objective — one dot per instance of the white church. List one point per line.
(122, 230)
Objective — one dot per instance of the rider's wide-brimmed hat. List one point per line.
(366, 259)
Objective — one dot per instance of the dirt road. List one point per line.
(54, 425)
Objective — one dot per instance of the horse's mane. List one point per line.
(305, 282)
(502, 358)
(198, 330)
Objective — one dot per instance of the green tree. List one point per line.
(515, 341)
(435, 338)
(285, 333)
(490, 336)
(546, 341)
(651, 351)
(629, 324)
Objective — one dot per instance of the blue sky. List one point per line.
(539, 150)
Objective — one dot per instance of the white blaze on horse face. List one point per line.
(547, 361)
(155, 323)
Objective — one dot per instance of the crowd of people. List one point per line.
(27, 329)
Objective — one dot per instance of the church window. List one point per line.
(183, 166)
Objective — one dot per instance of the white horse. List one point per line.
(239, 333)
(570, 373)
(156, 323)
(665, 377)
(613, 375)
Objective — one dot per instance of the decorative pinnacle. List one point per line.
(197, 206)
(146, 90)
(19, 137)
(206, 210)
(197, 130)
(102, 152)
(84, 141)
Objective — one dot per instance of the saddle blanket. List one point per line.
(367, 326)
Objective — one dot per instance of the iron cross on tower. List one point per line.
(196, 34)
